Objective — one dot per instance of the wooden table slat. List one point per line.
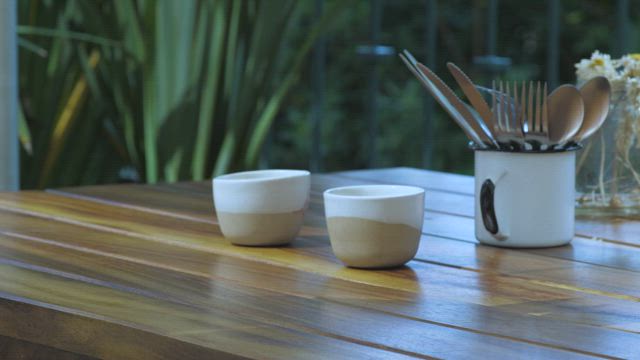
(217, 330)
(360, 325)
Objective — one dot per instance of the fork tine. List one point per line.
(515, 106)
(523, 105)
(530, 108)
(505, 107)
(498, 100)
(532, 121)
(507, 110)
(501, 106)
(538, 125)
(494, 112)
(545, 112)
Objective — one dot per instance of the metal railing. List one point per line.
(490, 62)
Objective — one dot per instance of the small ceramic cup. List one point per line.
(374, 226)
(261, 208)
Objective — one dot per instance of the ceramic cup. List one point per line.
(261, 208)
(524, 199)
(374, 226)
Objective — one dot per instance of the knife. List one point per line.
(467, 116)
(449, 108)
(474, 96)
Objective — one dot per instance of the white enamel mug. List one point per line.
(524, 199)
(263, 207)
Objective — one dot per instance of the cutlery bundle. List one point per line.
(522, 115)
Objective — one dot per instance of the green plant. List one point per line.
(174, 89)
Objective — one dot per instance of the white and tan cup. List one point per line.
(263, 207)
(374, 226)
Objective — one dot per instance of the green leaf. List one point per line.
(24, 134)
(66, 34)
(209, 90)
(33, 47)
(265, 120)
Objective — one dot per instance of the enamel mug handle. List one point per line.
(488, 211)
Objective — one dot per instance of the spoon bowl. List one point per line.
(566, 111)
(596, 94)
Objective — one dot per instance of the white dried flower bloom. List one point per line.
(632, 111)
(598, 65)
(632, 90)
(618, 89)
(628, 65)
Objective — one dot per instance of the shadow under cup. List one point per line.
(261, 208)
(374, 226)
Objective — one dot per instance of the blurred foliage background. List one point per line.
(162, 90)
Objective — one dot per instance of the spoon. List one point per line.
(566, 110)
(596, 94)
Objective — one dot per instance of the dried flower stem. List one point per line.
(636, 175)
(583, 156)
(601, 174)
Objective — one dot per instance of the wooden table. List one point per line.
(139, 271)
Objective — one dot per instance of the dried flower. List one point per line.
(622, 73)
(598, 65)
(624, 76)
(625, 133)
(632, 94)
(616, 202)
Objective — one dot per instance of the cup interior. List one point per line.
(261, 175)
(374, 191)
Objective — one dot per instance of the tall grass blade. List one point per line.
(211, 86)
(65, 121)
(265, 120)
(24, 134)
(66, 34)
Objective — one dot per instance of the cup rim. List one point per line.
(573, 146)
(373, 192)
(261, 175)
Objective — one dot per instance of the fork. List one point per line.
(536, 123)
(507, 118)
(522, 122)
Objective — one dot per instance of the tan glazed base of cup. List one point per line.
(366, 243)
(260, 229)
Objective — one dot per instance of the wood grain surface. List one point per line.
(140, 271)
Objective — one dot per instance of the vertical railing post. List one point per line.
(318, 86)
(622, 28)
(492, 29)
(553, 42)
(372, 93)
(431, 29)
(9, 150)
(491, 62)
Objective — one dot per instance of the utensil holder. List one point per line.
(524, 199)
